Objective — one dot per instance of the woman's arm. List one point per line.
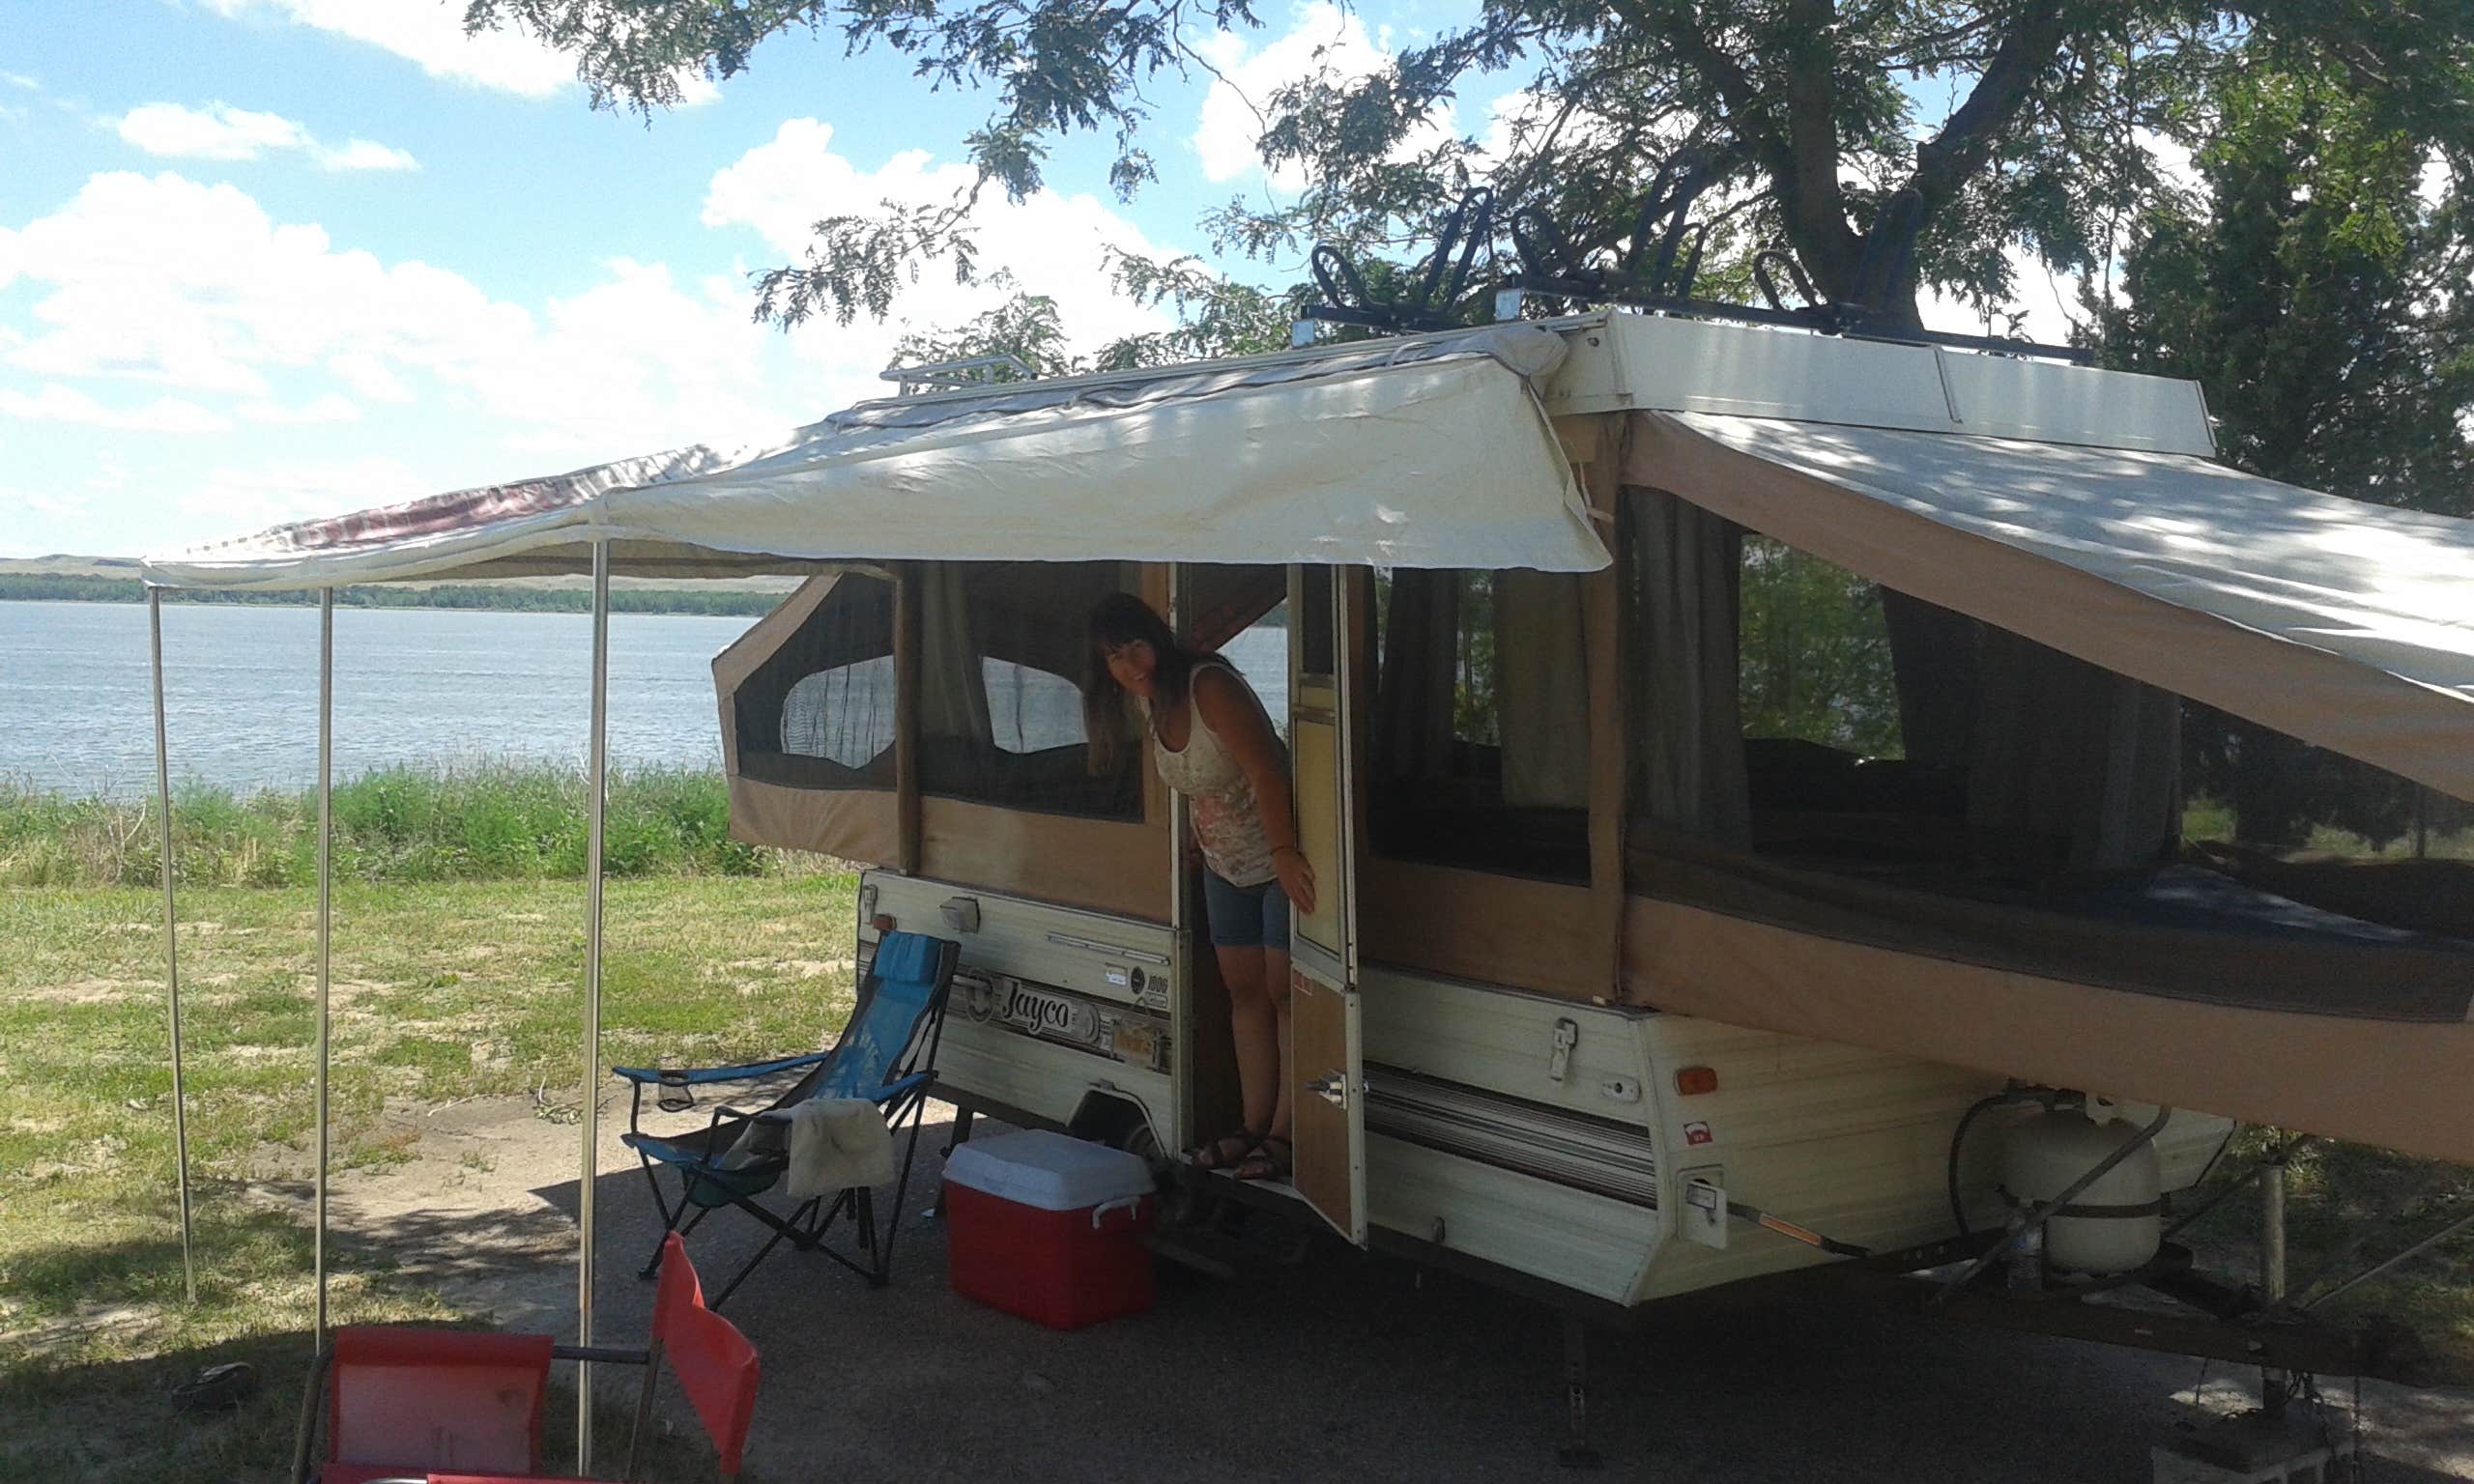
(1223, 703)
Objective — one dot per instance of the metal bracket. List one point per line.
(1704, 1207)
(1558, 1062)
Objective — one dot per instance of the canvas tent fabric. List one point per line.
(2346, 624)
(1429, 451)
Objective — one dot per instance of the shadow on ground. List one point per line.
(1350, 1367)
(1339, 1366)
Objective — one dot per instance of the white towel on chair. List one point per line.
(837, 1143)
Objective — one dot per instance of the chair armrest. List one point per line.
(777, 1116)
(893, 1090)
(698, 1075)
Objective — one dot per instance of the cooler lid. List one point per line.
(1048, 1171)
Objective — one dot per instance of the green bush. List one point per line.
(400, 824)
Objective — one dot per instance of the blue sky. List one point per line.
(262, 259)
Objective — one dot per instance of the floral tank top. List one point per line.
(1227, 824)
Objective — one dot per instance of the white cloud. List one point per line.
(1321, 38)
(21, 80)
(42, 504)
(2433, 186)
(367, 375)
(56, 403)
(331, 407)
(363, 154)
(1050, 244)
(165, 280)
(430, 34)
(2044, 306)
(218, 131)
(251, 499)
(221, 132)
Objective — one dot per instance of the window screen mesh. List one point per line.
(1810, 749)
(1004, 654)
(818, 712)
(1481, 753)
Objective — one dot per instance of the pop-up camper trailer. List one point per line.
(1595, 939)
(1599, 970)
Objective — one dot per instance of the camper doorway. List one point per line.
(1326, 1060)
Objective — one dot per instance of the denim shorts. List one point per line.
(1245, 916)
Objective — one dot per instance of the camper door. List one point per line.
(1325, 1067)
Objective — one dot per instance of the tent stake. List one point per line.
(326, 920)
(171, 940)
(590, 1122)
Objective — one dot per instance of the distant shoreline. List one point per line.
(719, 601)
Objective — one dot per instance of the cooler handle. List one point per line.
(1122, 1203)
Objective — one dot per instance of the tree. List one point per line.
(2313, 287)
(2315, 293)
(1803, 114)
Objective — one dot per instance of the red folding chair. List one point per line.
(459, 1407)
(716, 1365)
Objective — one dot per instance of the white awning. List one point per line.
(1428, 451)
(2344, 623)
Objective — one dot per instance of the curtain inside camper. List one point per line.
(1812, 750)
(1003, 660)
(819, 711)
(1480, 753)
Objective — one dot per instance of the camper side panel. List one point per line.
(1050, 1004)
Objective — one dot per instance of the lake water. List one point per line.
(429, 687)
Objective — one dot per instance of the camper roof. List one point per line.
(2079, 507)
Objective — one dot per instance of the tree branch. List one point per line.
(1944, 163)
(1811, 194)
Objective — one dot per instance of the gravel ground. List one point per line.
(1345, 1366)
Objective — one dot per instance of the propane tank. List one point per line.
(2113, 1226)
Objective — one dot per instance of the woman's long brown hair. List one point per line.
(1119, 619)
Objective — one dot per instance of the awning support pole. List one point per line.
(171, 939)
(590, 1122)
(326, 916)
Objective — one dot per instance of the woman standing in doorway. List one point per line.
(1213, 743)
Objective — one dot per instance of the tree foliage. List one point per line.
(2313, 286)
(1805, 114)
(1212, 316)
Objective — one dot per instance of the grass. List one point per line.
(448, 989)
(442, 992)
(393, 825)
(2348, 1206)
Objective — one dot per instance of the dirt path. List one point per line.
(479, 1209)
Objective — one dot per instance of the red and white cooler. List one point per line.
(1046, 1226)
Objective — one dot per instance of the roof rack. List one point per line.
(948, 374)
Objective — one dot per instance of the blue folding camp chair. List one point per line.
(886, 1054)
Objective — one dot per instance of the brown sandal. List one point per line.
(1272, 1158)
(1226, 1152)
